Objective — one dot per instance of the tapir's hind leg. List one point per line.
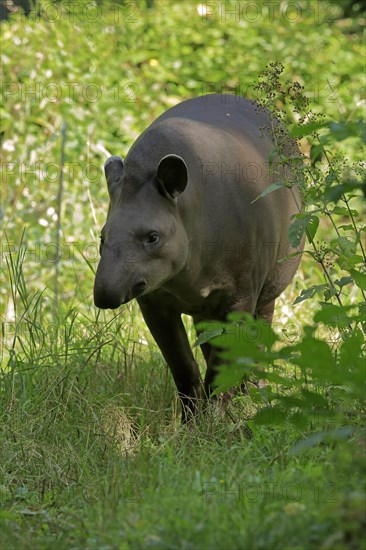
(265, 312)
(207, 350)
(213, 362)
(211, 353)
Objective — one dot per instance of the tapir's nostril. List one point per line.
(138, 288)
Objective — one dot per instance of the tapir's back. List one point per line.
(228, 112)
(208, 129)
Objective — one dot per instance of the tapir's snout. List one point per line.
(107, 298)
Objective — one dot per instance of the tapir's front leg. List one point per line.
(169, 333)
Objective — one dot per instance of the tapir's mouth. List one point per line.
(107, 303)
(110, 300)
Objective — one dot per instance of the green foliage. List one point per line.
(92, 453)
(308, 223)
(313, 378)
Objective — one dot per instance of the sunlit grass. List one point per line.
(92, 451)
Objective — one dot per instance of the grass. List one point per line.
(85, 467)
(92, 452)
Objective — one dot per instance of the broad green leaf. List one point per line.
(352, 363)
(292, 255)
(310, 292)
(302, 222)
(272, 187)
(344, 130)
(327, 435)
(329, 293)
(331, 178)
(308, 129)
(343, 281)
(207, 335)
(316, 153)
(332, 315)
(256, 395)
(272, 377)
(334, 193)
(314, 356)
(229, 376)
(270, 416)
(242, 328)
(350, 262)
(347, 246)
(312, 398)
(299, 419)
(290, 401)
(348, 227)
(297, 229)
(359, 278)
(312, 227)
(343, 211)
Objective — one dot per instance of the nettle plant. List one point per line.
(319, 379)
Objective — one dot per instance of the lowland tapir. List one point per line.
(183, 234)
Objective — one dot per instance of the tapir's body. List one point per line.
(183, 234)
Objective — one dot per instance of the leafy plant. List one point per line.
(319, 379)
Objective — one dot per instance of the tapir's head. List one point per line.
(143, 243)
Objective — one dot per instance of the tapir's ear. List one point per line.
(113, 169)
(172, 175)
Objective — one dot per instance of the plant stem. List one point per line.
(344, 198)
(59, 205)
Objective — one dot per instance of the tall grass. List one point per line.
(93, 454)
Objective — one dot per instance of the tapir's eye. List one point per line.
(152, 238)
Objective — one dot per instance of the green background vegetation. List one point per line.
(92, 452)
